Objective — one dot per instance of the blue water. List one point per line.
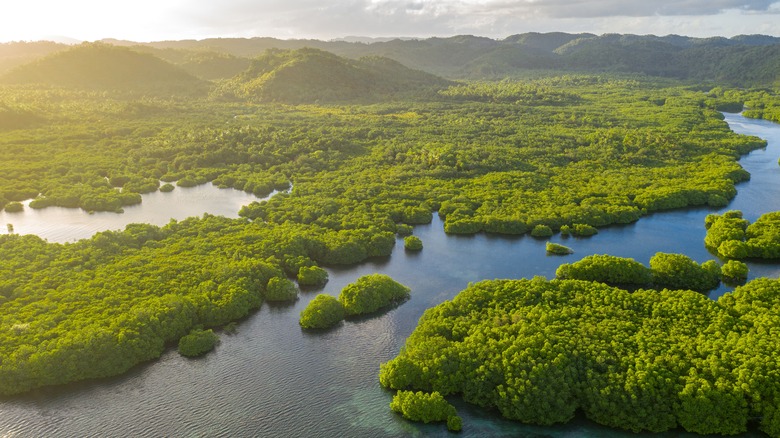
(272, 379)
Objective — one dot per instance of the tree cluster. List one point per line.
(539, 351)
(731, 236)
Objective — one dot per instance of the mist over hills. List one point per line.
(744, 60)
(99, 66)
(472, 57)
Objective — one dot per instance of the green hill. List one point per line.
(310, 75)
(19, 53)
(97, 66)
(743, 60)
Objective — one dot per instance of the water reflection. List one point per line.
(59, 224)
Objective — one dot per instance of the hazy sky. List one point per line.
(152, 20)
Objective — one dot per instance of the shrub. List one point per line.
(322, 312)
(312, 276)
(606, 269)
(454, 423)
(678, 271)
(280, 289)
(371, 293)
(584, 230)
(734, 272)
(541, 231)
(404, 229)
(167, 187)
(413, 243)
(554, 248)
(462, 225)
(197, 343)
(14, 207)
(424, 407)
(417, 215)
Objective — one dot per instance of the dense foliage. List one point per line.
(731, 236)
(551, 152)
(197, 343)
(280, 289)
(734, 272)
(99, 306)
(557, 249)
(672, 271)
(542, 231)
(322, 312)
(678, 271)
(420, 406)
(310, 75)
(413, 243)
(370, 293)
(312, 276)
(538, 351)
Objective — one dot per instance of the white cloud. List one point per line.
(145, 20)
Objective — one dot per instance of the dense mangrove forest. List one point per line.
(353, 172)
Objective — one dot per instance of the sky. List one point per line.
(156, 20)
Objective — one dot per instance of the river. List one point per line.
(272, 379)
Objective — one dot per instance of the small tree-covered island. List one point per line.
(537, 135)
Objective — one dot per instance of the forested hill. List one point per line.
(310, 75)
(98, 66)
(741, 60)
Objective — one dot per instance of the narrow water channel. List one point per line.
(272, 379)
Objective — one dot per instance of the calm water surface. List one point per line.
(272, 379)
(59, 224)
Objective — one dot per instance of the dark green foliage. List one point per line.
(583, 230)
(557, 249)
(323, 311)
(734, 272)
(370, 293)
(280, 289)
(197, 343)
(678, 271)
(404, 230)
(608, 269)
(538, 351)
(426, 408)
(413, 243)
(454, 423)
(14, 207)
(541, 231)
(312, 276)
(167, 187)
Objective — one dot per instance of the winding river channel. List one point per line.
(272, 379)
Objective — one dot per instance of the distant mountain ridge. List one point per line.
(743, 60)
(474, 57)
